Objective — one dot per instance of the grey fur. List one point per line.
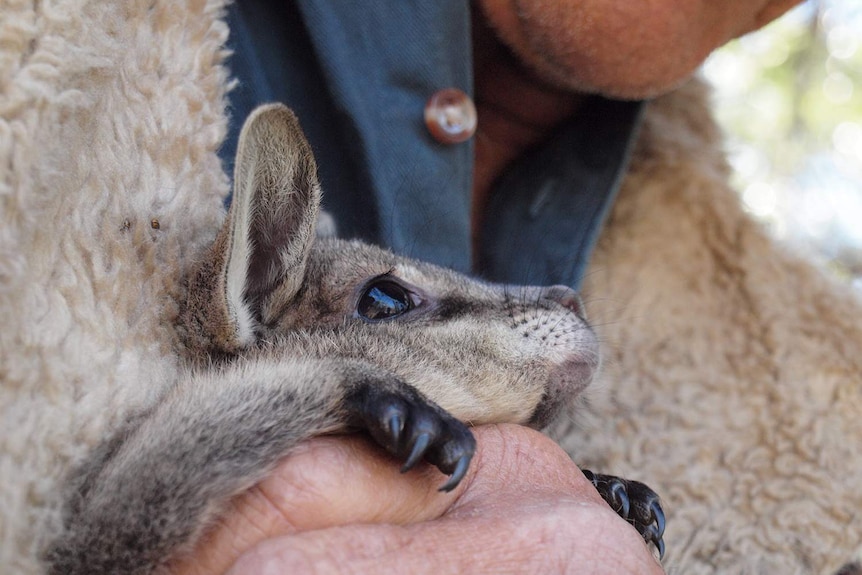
(276, 348)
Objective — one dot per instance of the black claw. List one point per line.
(457, 475)
(618, 491)
(651, 535)
(395, 426)
(419, 449)
(660, 546)
(658, 518)
(409, 426)
(634, 502)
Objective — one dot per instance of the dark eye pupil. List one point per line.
(384, 300)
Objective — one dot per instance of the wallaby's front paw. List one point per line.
(634, 502)
(412, 427)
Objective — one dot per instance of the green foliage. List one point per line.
(790, 98)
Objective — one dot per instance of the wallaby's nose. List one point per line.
(566, 297)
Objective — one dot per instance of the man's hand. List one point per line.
(340, 506)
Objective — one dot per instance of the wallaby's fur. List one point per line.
(279, 352)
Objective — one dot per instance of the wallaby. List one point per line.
(291, 336)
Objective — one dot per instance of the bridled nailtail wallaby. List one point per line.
(291, 336)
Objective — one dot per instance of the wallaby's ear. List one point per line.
(273, 216)
(258, 260)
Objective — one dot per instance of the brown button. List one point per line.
(450, 116)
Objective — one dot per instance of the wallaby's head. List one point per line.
(483, 352)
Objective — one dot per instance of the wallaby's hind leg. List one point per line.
(634, 502)
(411, 427)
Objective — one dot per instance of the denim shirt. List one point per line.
(358, 75)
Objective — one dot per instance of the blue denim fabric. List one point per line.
(548, 208)
(358, 75)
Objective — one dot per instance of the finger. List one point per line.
(526, 508)
(514, 534)
(325, 482)
(338, 481)
(515, 459)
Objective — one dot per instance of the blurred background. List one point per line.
(790, 98)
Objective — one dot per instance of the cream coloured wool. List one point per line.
(733, 374)
(110, 117)
(732, 384)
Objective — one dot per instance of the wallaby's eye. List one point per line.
(384, 299)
